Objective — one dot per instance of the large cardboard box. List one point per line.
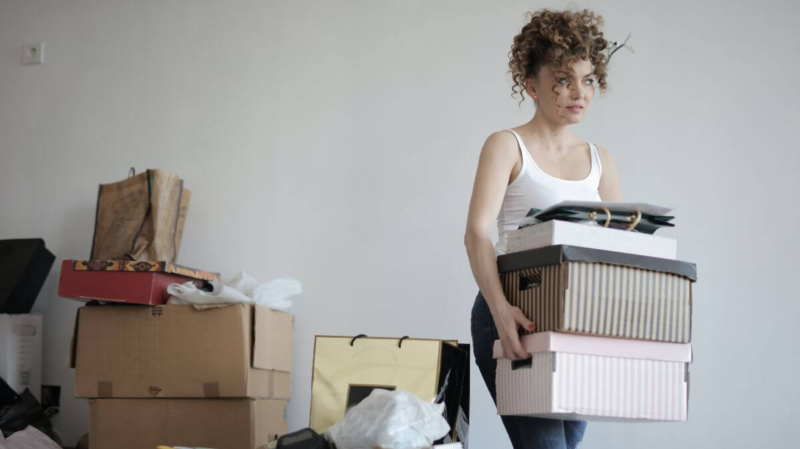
(21, 352)
(177, 351)
(589, 291)
(595, 378)
(557, 232)
(207, 423)
(134, 282)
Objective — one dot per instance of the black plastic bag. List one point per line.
(26, 412)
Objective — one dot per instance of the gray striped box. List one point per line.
(573, 289)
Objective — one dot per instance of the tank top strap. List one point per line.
(596, 159)
(526, 156)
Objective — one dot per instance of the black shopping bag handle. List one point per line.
(399, 343)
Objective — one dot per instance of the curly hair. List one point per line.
(557, 39)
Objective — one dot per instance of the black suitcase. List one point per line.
(24, 266)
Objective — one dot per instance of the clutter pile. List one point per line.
(24, 266)
(171, 374)
(612, 310)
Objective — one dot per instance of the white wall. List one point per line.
(336, 142)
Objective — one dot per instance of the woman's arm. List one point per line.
(498, 158)
(609, 182)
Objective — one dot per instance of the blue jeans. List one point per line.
(524, 432)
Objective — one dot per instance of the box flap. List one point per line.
(558, 254)
(270, 422)
(603, 346)
(73, 344)
(272, 339)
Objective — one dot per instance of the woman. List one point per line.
(558, 60)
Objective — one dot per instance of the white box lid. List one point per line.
(603, 346)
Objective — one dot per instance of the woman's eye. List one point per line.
(590, 81)
(562, 81)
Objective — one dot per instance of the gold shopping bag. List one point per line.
(347, 369)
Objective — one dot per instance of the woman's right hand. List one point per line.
(507, 320)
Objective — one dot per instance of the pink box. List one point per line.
(593, 378)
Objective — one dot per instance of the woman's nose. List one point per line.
(581, 91)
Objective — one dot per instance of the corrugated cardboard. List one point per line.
(177, 351)
(21, 352)
(142, 282)
(207, 423)
(573, 289)
(595, 378)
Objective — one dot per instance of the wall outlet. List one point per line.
(33, 53)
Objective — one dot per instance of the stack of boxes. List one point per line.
(159, 374)
(612, 311)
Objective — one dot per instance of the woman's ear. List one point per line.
(531, 89)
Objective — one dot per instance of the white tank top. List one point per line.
(534, 188)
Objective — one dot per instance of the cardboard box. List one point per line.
(125, 281)
(177, 351)
(573, 289)
(556, 232)
(21, 352)
(595, 378)
(207, 423)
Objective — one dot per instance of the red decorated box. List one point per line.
(135, 282)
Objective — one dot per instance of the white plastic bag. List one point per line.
(30, 438)
(240, 289)
(188, 293)
(390, 420)
(277, 293)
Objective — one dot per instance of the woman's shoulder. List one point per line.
(603, 154)
(501, 149)
(502, 136)
(501, 141)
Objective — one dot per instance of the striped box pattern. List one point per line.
(603, 299)
(585, 386)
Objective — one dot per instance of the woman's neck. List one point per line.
(549, 135)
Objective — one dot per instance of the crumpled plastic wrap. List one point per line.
(390, 420)
(240, 289)
(30, 438)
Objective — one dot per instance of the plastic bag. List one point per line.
(390, 420)
(277, 293)
(241, 288)
(26, 412)
(30, 438)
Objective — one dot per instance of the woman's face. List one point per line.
(564, 100)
